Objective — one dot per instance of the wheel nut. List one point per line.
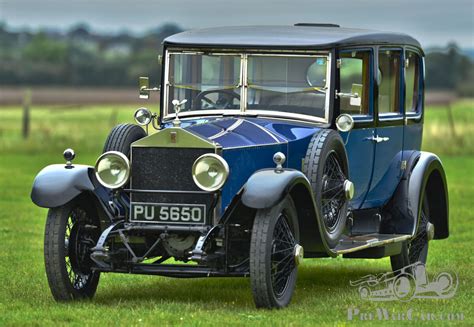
(430, 229)
(299, 254)
(349, 189)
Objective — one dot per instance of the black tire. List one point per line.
(273, 282)
(71, 231)
(122, 136)
(327, 147)
(415, 249)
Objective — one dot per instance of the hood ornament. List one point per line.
(177, 108)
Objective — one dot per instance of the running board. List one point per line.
(350, 244)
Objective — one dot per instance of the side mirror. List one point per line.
(144, 87)
(344, 123)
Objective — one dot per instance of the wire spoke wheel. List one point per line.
(79, 241)
(273, 266)
(418, 246)
(416, 249)
(327, 169)
(282, 256)
(71, 232)
(332, 192)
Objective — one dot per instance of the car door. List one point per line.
(355, 68)
(388, 136)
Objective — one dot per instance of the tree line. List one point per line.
(80, 57)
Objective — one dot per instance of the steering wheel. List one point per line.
(224, 99)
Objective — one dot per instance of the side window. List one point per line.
(389, 81)
(354, 76)
(412, 81)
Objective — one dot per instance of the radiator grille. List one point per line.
(156, 168)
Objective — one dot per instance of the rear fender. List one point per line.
(267, 187)
(424, 173)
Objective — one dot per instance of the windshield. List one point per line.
(294, 84)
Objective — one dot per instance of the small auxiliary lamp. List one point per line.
(69, 156)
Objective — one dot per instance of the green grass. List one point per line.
(323, 293)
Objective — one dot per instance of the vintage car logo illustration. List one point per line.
(410, 282)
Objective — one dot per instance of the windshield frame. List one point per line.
(243, 110)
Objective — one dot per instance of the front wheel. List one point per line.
(71, 231)
(274, 255)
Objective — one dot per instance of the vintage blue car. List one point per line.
(269, 139)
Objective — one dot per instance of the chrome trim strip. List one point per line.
(282, 114)
(263, 113)
(167, 85)
(410, 115)
(177, 48)
(328, 89)
(244, 88)
(225, 131)
(167, 191)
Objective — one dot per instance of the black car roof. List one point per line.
(292, 37)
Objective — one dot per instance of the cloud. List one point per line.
(433, 22)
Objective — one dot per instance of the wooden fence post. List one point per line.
(451, 121)
(113, 117)
(26, 114)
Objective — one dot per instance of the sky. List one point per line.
(432, 22)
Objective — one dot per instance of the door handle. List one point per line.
(378, 139)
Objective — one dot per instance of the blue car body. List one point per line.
(249, 147)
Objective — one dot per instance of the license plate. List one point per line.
(168, 213)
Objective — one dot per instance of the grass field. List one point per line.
(323, 295)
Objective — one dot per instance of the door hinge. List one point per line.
(403, 166)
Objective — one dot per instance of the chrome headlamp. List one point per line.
(210, 172)
(112, 169)
(143, 116)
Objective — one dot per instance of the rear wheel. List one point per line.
(274, 255)
(416, 249)
(71, 231)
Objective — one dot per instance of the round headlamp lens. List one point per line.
(344, 123)
(112, 169)
(142, 116)
(210, 172)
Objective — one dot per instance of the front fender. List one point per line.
(266, 187)
(56, 185)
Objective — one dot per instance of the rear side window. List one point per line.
(355, 78)
(412, 81)
(389, 76)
